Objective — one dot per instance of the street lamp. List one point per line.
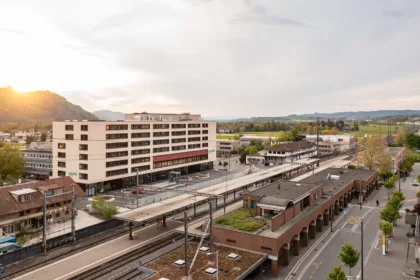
(217, 262)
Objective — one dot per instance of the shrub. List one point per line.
(105, 210)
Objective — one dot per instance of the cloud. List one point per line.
(394, 14)
(13, 31)
(260, 14)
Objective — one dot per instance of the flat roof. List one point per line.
(285, 190)
(179, 202)
(394, 151)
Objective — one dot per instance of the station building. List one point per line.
(97, 153)
(295, 212)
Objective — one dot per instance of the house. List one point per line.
(38, 160)
(289, 152)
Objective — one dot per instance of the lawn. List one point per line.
(376, 130)
(230, 136)
(240, 220)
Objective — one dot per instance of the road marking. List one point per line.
(299, 262)
(93, 248)
(369, 253)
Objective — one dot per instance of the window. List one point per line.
(116, 163)
(69, 127)
(83, 157)
(230, 241)
(83, 147)
(48, 192)
(62, 155)
(8, 229)
(193, 125)
(194, 132)
(140, 168)
(83, 176)
(205, 131)
(166, 163)
(140, 160)
(84, 137)
(140, 126)
(117, 154)
(205, 125)
(61, 164)
(84, 127)
(117, 127)
(205, 138)
(140, 143)
(178, 148)
(179, 133)
(265, 248)
(179, 126)
(194, 139)
(83, 166)
(205, 145)
(117, 136)
(160, 134)
(161, 126)
(160, 142)
(179, 140)
(116, 172)
(140, 135)
(161, 150)
(117, 145)
(61, 145)
(69, 137)
(61, 173)
(140, 152)
(194, 146)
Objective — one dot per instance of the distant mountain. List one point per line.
(359, 115)
(108, 115)
(38, 106)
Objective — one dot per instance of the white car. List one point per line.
(415, 183)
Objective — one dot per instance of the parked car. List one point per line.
(140, 191)
(415, 183)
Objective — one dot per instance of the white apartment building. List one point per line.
(95, 153)
(227, 146)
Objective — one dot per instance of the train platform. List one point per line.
(80, 262)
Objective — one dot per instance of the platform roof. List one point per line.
(179, 202)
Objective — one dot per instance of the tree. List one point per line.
(385, 174)
(349, 255)
(374, 154)
(105, 210)
(418, 178)
(412, 141)
(386, 228)
(251, 150)
(337, 274)
(399, 139)
(29, 139)
(43, 137)
(11, 163)
(389, 213)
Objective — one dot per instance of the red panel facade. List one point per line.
(180, 155)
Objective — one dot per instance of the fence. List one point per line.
(166, 195)
(36, 249)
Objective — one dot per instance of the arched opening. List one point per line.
(284, 255)
(294, 245)
(304, 236)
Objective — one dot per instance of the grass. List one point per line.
(24, 236)
(240, 220)
(259, 133)
(376, 130)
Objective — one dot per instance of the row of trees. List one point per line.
(11, 163)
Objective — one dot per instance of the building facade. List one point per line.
(290, 152)
(227, 147)
(38, 160)
(328, 148)
(345, 142)
(22, 205)
(95, 153)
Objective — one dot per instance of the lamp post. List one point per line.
(361, 193)
(137, 187)
(217, 262)
(361, 250)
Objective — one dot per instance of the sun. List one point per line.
(24, 87)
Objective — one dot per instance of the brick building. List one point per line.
(295, 212)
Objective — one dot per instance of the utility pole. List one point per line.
(137, 187)
(361, 250)
(211, 230)
(186, 244)
(361, 193)
(331, 217)
(399, 180)
(73, 216)
(44, 230)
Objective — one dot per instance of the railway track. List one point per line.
(43, 263)
(111, 269)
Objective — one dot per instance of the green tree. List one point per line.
(385, 174)
(337, 274)
(389, 213)
(11, 163)
(43, 137)
(349, 255)
(251, 150)
(386, 228)
(105, 210)
(374, 154)
(412, 141)
(418, 178)
(29, 139)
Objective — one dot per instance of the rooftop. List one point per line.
(292, 146)
(394, 151)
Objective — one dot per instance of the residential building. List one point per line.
(95, 153)
(22, 205)
(4, 135)
(346, 142)
(294, 212)
(38, 160)
(246, 140)
(289, 152)
(227, 147)
(328, 148)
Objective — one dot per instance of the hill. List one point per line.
(38, 106)
(358, 115)
(108, 115)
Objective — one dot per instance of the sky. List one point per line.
(218, 58)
